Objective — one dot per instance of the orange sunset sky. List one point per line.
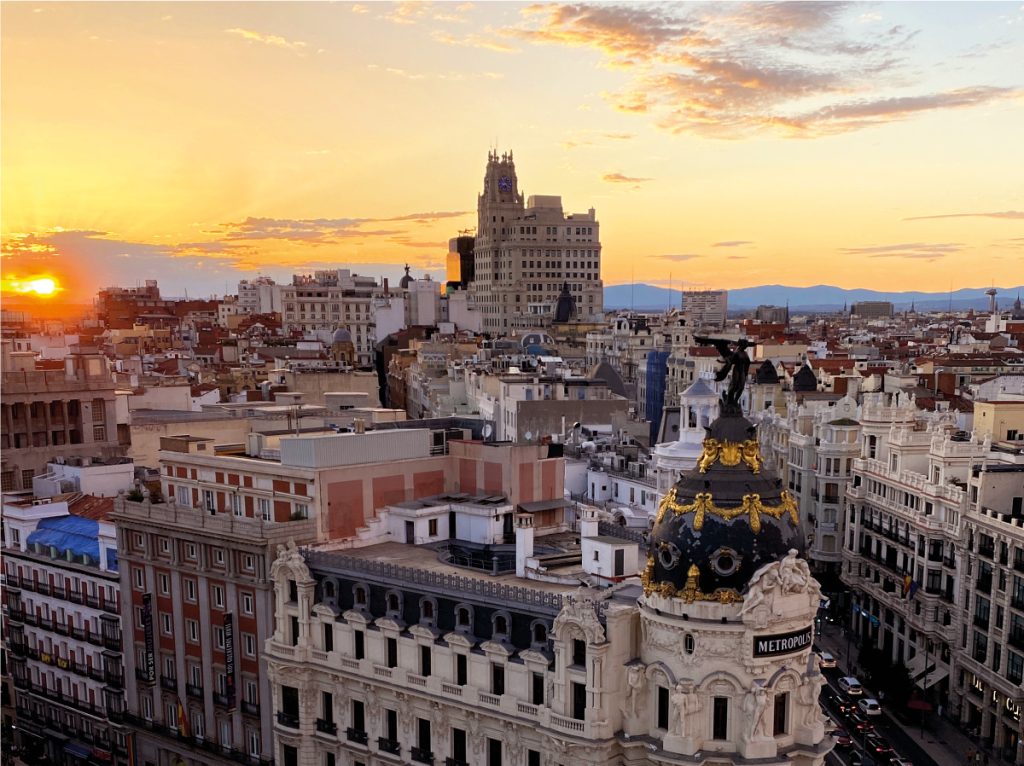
(869, 145)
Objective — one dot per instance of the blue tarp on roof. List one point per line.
(69, 533)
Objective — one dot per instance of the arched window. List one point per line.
(394, 605)
(427, 609)
(359, 595)
(463, 617)
(328, 589)
(500, 625)
(540, 633)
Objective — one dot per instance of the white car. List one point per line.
(851, 686)
(869, 706)
(826, 660)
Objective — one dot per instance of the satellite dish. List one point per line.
(528, 435)
(487, 430)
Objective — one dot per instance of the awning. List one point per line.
(77, 750)
(932, 677)
(543, 505)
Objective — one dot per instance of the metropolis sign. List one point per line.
(783, 643)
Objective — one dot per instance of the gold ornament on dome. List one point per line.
(690, 592)
(729, 454)
(751, 506)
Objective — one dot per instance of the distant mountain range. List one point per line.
(646, 297)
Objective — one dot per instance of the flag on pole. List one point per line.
(914, 586)
(907, 580)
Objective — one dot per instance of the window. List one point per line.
(537, 689)
(190, 590)
(720, 718)
(359, 644)
(184, 497)
(192, 631)
(663, 705)
(208, 502)
(432, 528)
(781, 709)
(263, 505)
(358, 716)
(190, 551)
(139, 577)
(247, 603)
(165, 584)
(237, 505)
(497, 678)
(461, 671)
(218, 597)
(391, 649)
(218, 637)
(579, 652)
(360, 596)
(218, 556)
(254, 742)
(493, 752)
(249, 644)
(425, 657)
(328, 637)
(249, 562)
(300, 511)
(165, 624)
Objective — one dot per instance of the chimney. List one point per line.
(588, 522)
(524, 542)
(386, 286)
(359, 425)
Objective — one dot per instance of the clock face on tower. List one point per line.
(505, 184)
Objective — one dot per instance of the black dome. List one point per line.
(766, 373)
(565, 307)
(722, 521)
(805, 380)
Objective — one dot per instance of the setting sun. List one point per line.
(42, 286)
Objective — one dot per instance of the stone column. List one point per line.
(49, 425)
(67, 421)
(9, 425)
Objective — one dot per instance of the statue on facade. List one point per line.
(810, 690)
(686, 703)
(635, 682)
(734, 361)
(755, 706)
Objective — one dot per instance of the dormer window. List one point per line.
(463, 618)
(427, 611)
(394, 603)
(328, 589)
(359, 596)
(540, 633)
(500, 626)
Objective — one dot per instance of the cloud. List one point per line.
(408, 11)
(729, 70)
(919, 250)
(274, 40)
(474, 41)
(733, 243)
(428, 217)
(677, 256)
(359, 8)
(1004, 214)
(407, 242)
(737, 257)
(619, 178)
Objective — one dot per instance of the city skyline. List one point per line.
(862, 145)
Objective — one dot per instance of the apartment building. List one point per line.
(327, 300)
(525, 250)
(51, 413)
(706, 308)
(903, 557)
(988, 670)
(62, 629)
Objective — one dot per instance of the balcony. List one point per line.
(288, 719)
(386, 745)
(221, 700)
(198, 743)
(113, 678)
(356, 735)
(19, 648)
(988, 551)
(112, 642)
(169, 683)
(833, 499)
(142, 675)
(455, 762)
(421, 755)
(984, 584)
(1016, 638)
(949, 562)
(326, 727)
(250, 708)
(981, 622)
(194, 690)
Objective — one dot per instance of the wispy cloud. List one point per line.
(677, 256)
(729, 70)
(923, 250)
(619, 178)
(359, 8)
(409, 11)
(273, 40)
(733, 243)
(594, 138)
(1004, 214)
(483, 42)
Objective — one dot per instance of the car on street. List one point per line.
(842, 737)
(851, 686)
(869, 706)
(900, 762)
(875, 744)
(857, 759)
(860, 724)
(826, 660)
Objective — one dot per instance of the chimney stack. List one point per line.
(524, 542)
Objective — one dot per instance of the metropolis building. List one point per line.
(526, 250)
(564, 646)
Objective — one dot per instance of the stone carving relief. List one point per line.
(810, 691)
(789, 576)
(581, 609)
(289, 558)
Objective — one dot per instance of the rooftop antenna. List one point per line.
(669, 306)
(632, 288)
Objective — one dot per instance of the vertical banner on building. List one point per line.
(229, 658)
(147, 627)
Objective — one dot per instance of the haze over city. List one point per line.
(723, 146)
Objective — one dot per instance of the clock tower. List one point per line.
(500, 201)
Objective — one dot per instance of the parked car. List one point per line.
(826, 660)
(875, 744)
(860, 724)
(869, 706)
(851, 686)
